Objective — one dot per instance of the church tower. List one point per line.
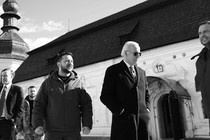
(13, 49)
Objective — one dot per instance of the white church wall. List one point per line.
(10, 63)
(32, 82)
(174, 62)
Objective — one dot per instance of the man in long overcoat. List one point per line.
(202, 78)
(124, 94)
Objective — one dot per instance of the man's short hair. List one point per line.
(31, 87)
(204, 22)
(9, 69)
(127, 45)
(59, 55)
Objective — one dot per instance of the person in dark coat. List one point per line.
(29, 131)
(11, 105)
(23, 127)
(202, 78)
(62, 105)
(124, 94)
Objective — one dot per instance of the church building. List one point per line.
(167, 31)
(13, 49)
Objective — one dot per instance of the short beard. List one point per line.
(66, 71)
(32, 96)
(207, 45)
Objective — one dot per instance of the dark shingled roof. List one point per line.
(13, 46)
(152, 24)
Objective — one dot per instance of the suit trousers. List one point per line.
(62, 136)
(7, 130)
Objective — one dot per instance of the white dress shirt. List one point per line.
(4, 114)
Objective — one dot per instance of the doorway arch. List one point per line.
(166, 97)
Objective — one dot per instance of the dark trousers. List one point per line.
(7, 130)
(138, 129)
(130, 127)
(62, 136)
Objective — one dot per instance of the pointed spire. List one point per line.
(10, 16)
(12, 46)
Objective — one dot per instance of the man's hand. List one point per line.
(85, 130)
(39, 130)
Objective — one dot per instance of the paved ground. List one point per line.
(107, 138)
(197, 138)
(95, 138)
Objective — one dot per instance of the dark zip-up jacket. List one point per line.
(202, 78)
(62, 106)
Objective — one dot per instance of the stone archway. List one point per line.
(166, 97)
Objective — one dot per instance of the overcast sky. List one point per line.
(44, 20)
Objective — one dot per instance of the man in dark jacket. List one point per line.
(124, 94)
(202, 78)
(29, 133)
(11, 105)
(62, 104)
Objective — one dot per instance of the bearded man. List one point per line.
(202, 78)
(62, 105)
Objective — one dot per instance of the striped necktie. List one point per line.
(2, 99)
(132, 70)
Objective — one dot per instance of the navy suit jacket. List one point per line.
(15, 103)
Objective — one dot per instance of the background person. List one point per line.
(202, 78)
(23, 127)
(29, 131)
(11, 105)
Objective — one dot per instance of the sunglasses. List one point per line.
(136, 53)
